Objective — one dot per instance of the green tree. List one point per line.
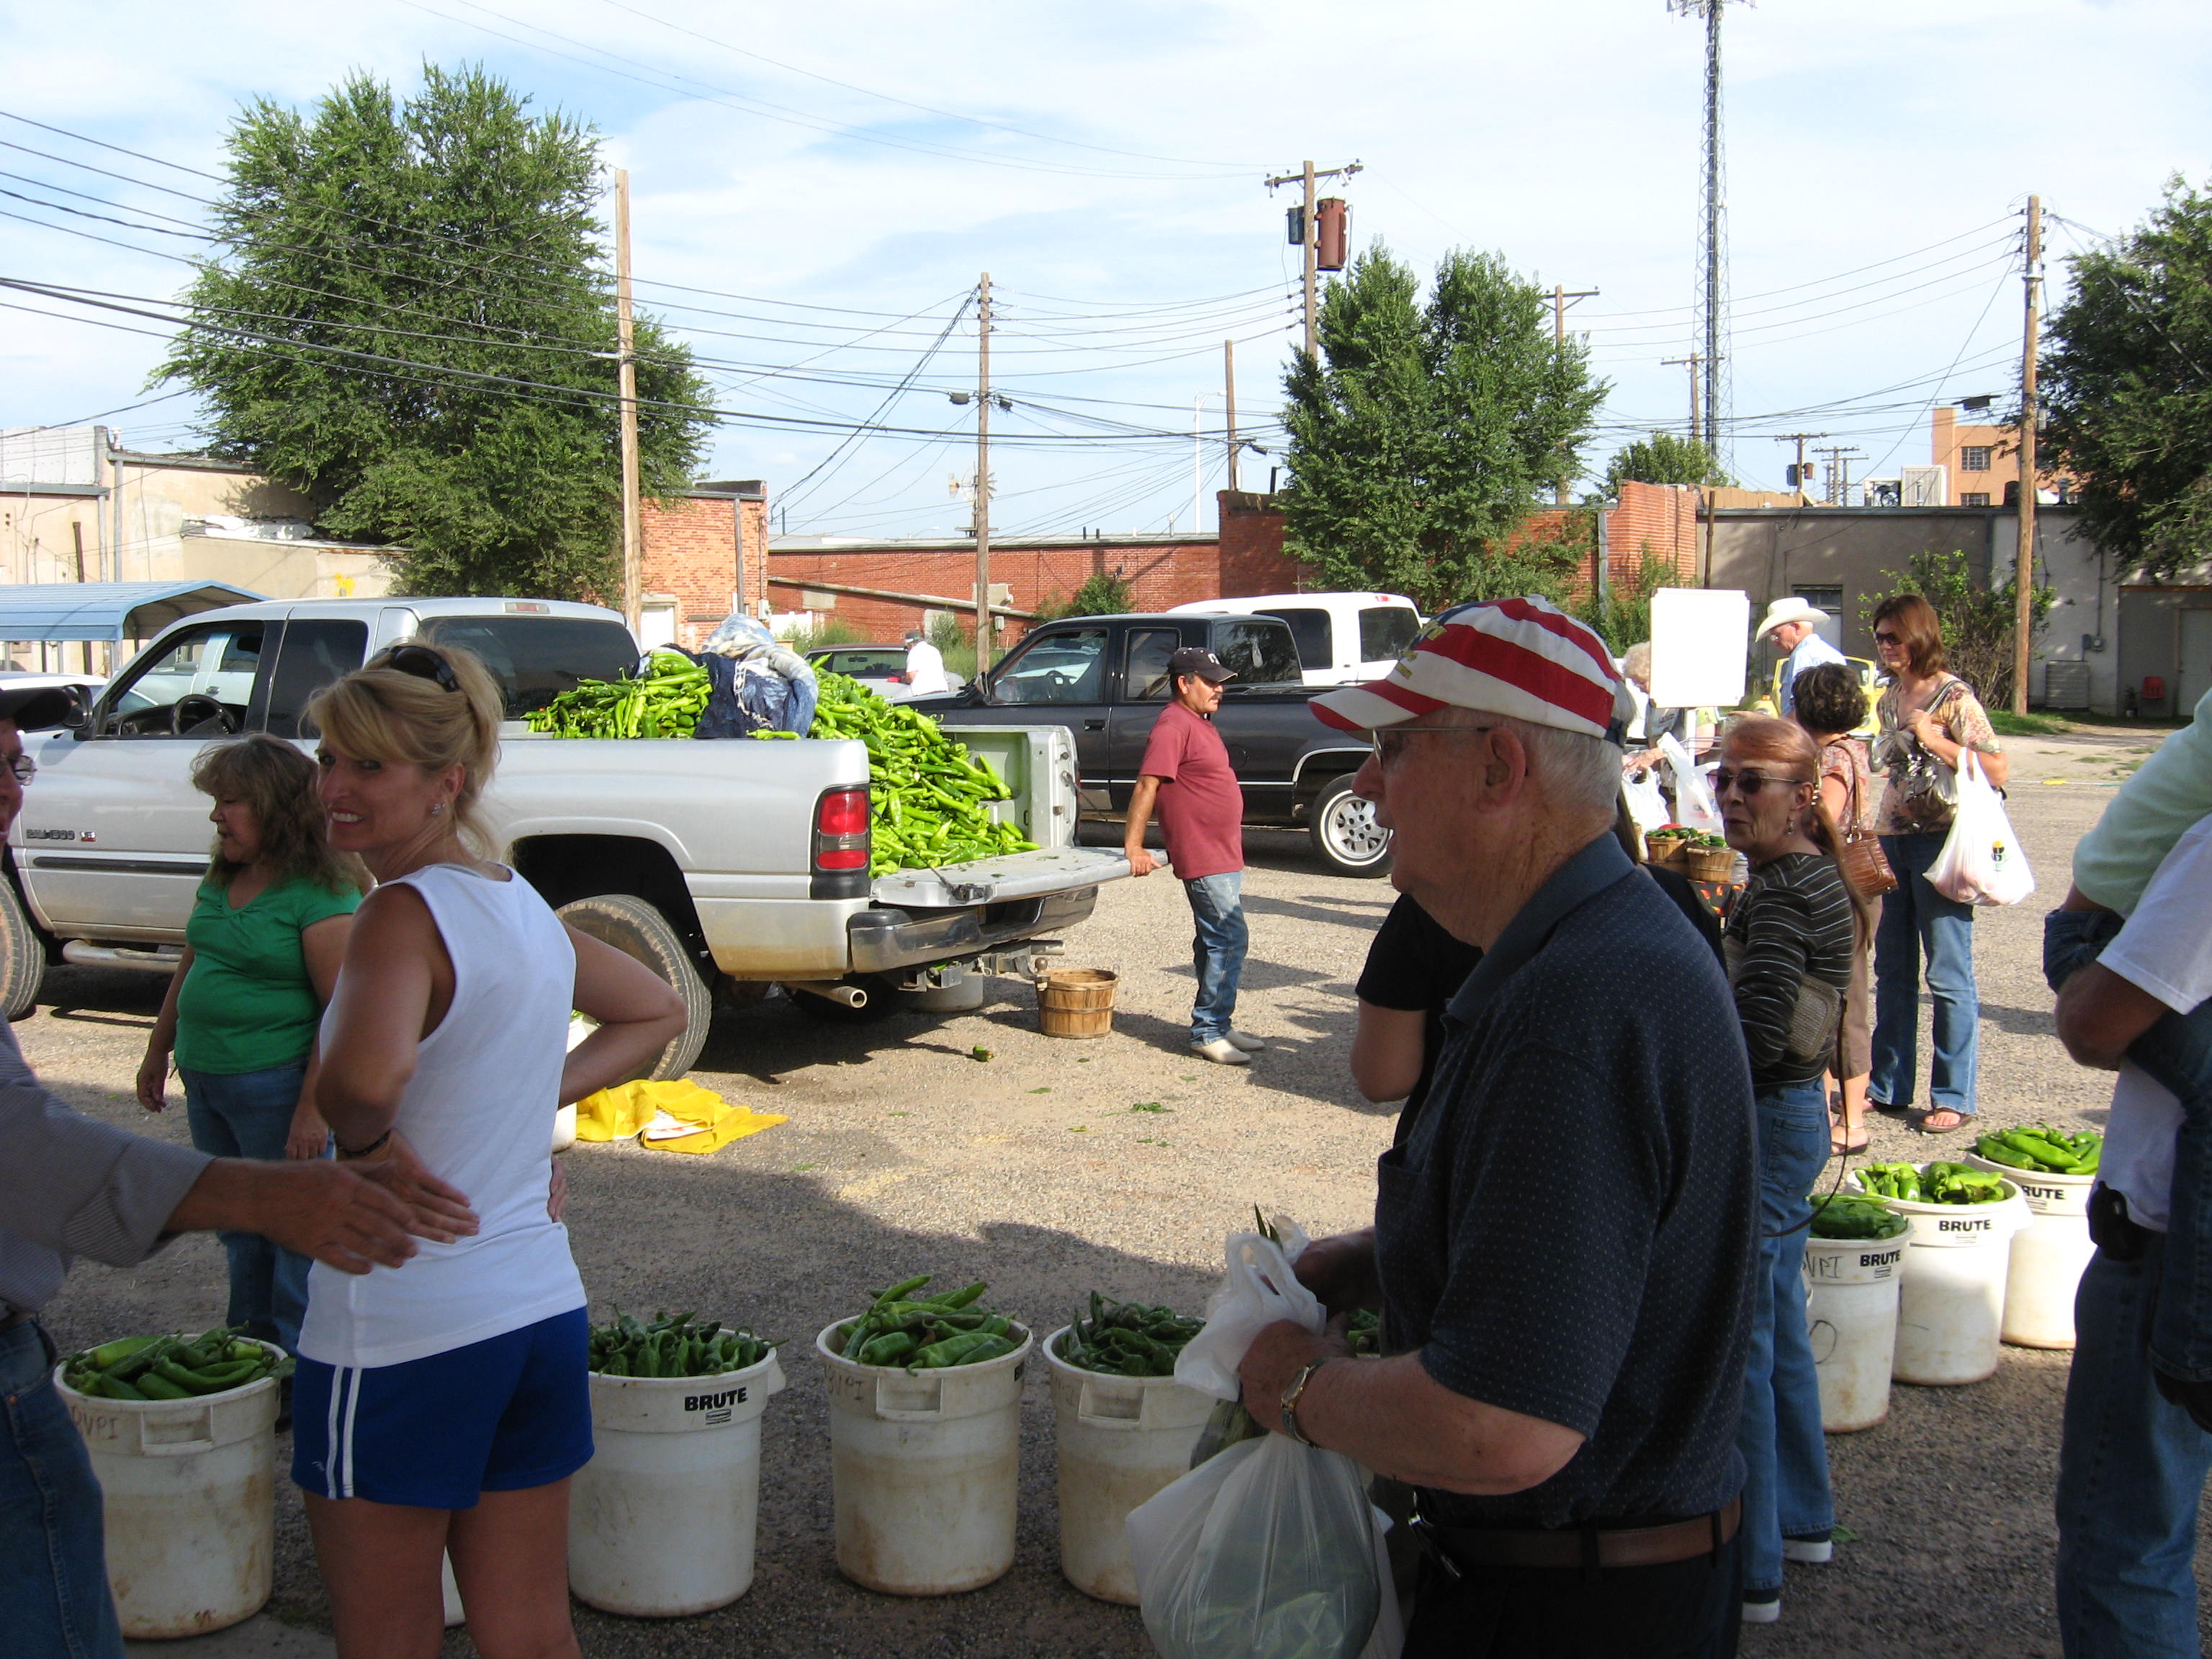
(1977, 621)
(1422, 437)
(1664, 459)
(386, 269)
(1103, 593)
(2128, 382)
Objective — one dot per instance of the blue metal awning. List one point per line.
(113, 612)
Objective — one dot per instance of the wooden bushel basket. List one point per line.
(1077, 1002)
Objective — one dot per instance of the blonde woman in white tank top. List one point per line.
(441, 1407)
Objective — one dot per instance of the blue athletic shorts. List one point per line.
(500, 1415)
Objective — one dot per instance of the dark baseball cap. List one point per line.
(1197, 660)
(36, 707)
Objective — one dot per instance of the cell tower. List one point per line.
(1712, 234)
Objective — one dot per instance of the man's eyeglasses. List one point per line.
(1390, 740)
(1748, 783)
(421, 661)
(24, 767)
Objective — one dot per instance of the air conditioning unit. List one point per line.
(1926, 486)
(1884, 492)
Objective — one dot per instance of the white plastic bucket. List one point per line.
(190, 1491)
(924, 1468)
(661, 1520)
(1850, 1315)
(1950, 1302)
(2048, 1255)
(1120, 1440)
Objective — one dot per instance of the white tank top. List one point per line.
(479, 1111)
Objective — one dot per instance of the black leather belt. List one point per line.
(1586, 1547)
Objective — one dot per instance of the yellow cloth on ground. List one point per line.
(671, 1117)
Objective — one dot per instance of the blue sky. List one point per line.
(837, 174)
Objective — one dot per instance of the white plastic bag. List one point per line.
(1268, 1550)
(1693, 796)
(1981, 862)
(1640, 789)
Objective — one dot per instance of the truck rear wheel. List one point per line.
(636, 929)
(23, 957)
(1345, 836)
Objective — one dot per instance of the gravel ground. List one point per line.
(1055, 1168)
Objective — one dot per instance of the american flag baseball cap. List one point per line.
(1523, 658)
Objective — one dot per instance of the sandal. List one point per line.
(1841, 1145)
(1928, 1125)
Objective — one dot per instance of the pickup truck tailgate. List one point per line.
(996, 880)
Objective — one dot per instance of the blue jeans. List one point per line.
(2131, 1470)
(1916, 922)
(249, 1114)
(53, 1559)
(2176, 1051)
(1217, 902)
(1785, 1456)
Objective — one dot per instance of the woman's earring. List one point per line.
(436, 807)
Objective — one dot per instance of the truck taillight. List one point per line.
(841, 831)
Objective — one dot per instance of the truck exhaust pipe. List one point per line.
(830, 990)
(107, 955)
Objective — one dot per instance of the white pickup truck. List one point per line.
(1341, 637)
(725, 866)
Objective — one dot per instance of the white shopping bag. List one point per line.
(1693, 796)
(1640, 789)
(1268, 1550)
(1981, 862)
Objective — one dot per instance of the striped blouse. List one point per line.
(1793, 919)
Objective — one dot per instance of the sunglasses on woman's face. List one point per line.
(421, 661)
(1748, 783)
(1888, 638)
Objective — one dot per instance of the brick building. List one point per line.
(703, 554)
(1981, 461)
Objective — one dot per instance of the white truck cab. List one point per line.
(1342, 638)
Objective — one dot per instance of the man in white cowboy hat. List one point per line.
(1795, 626)
(1566, 1412)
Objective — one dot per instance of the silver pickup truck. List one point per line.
(720, 865)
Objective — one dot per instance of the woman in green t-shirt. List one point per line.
(261, 958)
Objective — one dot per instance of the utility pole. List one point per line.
(2023, 575)
(983, 474)
(633, 552)
(1228, 396)
(1560, 300)
(1311, 240)
(1839, 473)
(1690, 362)
(1800, 439)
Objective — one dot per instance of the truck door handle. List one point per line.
(1094, 726)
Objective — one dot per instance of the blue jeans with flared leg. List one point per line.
(1217, 904)
(1918, 922)
(249, 1114)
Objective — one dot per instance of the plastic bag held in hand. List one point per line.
(1269, 1550)
(1981, 862)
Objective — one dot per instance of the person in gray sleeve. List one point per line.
(73, 1186)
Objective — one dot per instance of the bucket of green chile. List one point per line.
(661, 1520)
(1123, 1428)
(1950, 1302)
(1853, 1252)
(924, 1440)
(183, 1438)
(2054, 1172)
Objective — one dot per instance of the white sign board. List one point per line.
(1697, 650)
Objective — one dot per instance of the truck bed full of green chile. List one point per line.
(664, 702)
(673, 1346)
(173, 1367)
(926, 794)
(926, 1333)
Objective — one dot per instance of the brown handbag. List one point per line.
(1861, 858)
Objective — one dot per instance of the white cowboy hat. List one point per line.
(1789, 611)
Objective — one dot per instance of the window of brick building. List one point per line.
(1975, 497)
(1974, 458)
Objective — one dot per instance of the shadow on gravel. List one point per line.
(2020, 1022)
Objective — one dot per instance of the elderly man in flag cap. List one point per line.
(1563, 1242)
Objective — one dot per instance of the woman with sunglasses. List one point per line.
(441, 1407)
(1790, 938)
(1929, 719)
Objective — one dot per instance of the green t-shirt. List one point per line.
(248, 1004)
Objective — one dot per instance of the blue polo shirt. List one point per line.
(1569, 1230)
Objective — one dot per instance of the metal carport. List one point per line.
(111, 613)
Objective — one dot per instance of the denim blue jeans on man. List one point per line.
(249, 1114)
(54, 1600)
(1217, 904)
(1785, 1491)
(1918, 922)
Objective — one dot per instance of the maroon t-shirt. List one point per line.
(1201, 805)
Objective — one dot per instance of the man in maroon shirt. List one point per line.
(1186, 770)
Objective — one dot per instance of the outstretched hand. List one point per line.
(436, 1210)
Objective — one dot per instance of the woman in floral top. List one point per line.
(1830, 704)
(1929, 719)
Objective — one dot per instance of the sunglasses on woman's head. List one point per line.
(1748, 784)
(421, 661)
